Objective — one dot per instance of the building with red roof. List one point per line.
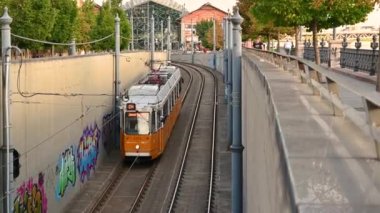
(205, 12)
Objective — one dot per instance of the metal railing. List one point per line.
(357, 59)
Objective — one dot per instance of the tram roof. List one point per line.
(172, 4)
(143, 90)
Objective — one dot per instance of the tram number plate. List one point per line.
(132, 114)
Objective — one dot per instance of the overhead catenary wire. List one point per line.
(62, 129)
(61, 44)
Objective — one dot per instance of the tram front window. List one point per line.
(137, 123)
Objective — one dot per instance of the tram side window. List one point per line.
(169, 103)
(159, 114)
(153, 121)
(165, 110)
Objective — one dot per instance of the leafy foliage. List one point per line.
(60, 21)
(105, 23)
(84, 23)
(201, 29)
(315, 15)
(33, 19)
(219, 36)
(63, 29)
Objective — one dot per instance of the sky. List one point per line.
(195, 4)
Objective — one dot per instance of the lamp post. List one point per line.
(236, 147)
(6, 20)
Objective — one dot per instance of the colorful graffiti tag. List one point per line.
(31, 197)
(66, 172)
(87, 152)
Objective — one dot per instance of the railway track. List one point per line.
(141, 175)
(175, 182)
(193, 191)
(121, 174)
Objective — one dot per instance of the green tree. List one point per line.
(202, 28)
(105, 25)
(125, 27)
(84, 23)
(33, 19)
(258, 23)
(219, 36)
(63, 29)
(315, 15)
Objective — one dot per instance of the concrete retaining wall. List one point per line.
(264, 181)
(205, 59)
(62, 132)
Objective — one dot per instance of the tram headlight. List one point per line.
(137, 147)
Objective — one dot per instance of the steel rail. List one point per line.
(144, 187)
(212, 161)
(120, 173)
(187, 144)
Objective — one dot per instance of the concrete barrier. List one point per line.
(206, 59)
(265, 170)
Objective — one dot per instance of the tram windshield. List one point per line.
(137, 123)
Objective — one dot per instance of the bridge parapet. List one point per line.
(329, 164)
(317, 76)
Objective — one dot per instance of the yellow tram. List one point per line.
(148, 113)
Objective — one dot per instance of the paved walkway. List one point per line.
(93, 188)
(331, 162)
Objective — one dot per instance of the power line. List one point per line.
(62, 44)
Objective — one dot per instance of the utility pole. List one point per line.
(214, 41)
(225, 65)
(237, 147)
(117, 61)
(192, 43)
(132, 36)
(214, 35)
(169, 44)
(5, 20)
(152, 44)
(162, 35)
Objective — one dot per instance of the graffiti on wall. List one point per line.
(65, 171)
(31, 196)
(87, 152)
(108, 131)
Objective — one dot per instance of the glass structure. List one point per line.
(140, 12)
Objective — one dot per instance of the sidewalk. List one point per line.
(362, 76)
(331, 163)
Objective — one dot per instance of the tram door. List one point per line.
(160, 129)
